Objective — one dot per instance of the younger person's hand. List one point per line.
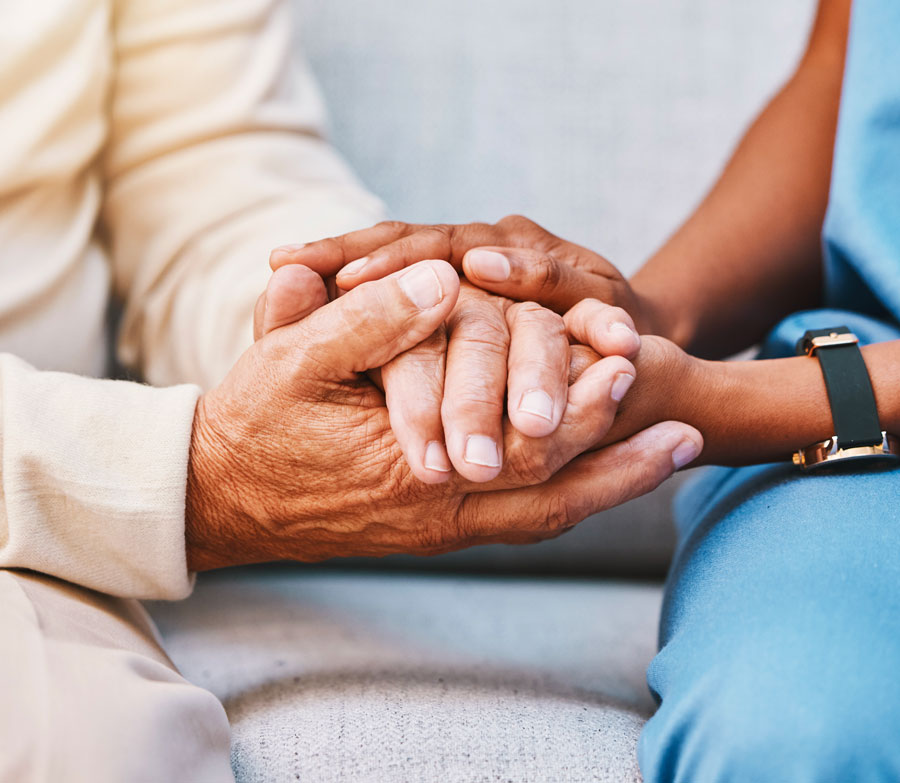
(670, 384)
(514, 257)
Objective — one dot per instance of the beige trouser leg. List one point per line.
(88, 694)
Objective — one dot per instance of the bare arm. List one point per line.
(751, 252)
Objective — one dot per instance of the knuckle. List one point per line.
(423, 356)
(582, 312)
(559, 513)
(419, 412)
(531, 464)
(466, 232)
(423, 243)
(365, 307)
(516, 222)
(275, 352)
(394, 226)
(435, 537)
(442, 234)
(533, 314)
(476, 388)
(479, 403)
(376, 310)
(332, 245)
(547, 274)
(616, 314)
(481, 327)
(589, 307)
(459, 527)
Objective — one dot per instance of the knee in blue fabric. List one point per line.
(787, 723)
(780, 634)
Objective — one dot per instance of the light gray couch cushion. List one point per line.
(605, 120)
(331, 678)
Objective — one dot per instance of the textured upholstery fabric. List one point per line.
(387, 678)
(604, 120)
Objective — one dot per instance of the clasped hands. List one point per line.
(299, 455)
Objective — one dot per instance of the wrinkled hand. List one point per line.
(293, 455)
(514, 257)
(446, 395)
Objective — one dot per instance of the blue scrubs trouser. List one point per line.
(779, 650)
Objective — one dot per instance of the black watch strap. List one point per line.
(850, 394)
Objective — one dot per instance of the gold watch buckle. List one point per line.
(829, 340)
(827, 451)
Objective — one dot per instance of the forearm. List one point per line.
(762, 411)
(750, 254)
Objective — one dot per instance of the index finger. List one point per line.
(327, 256)
(446, 242)
(372, 253)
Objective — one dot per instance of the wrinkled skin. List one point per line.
(293, 455)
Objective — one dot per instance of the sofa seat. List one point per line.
(352, 676)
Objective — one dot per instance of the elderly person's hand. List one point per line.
(293, 456)
(446, 396)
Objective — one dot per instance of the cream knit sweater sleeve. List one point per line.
(162, 147)
(92, 480)
(214, 157)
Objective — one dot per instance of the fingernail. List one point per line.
(354, 267)
(422, 286)
(488, 265)
(621, 384)
(622, 328)
(436, 457)
(538, 403)
(685, 452)
(288, 248)
(482, 450)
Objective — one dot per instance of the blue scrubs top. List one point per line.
(862, 226)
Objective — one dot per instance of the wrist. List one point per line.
(698, 383)
(209, 513)
(759, 411)
(709, 397)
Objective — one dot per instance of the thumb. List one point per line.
(376, 321)
(591, 483)
(293, 292)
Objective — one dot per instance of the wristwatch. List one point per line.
(857, 431)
